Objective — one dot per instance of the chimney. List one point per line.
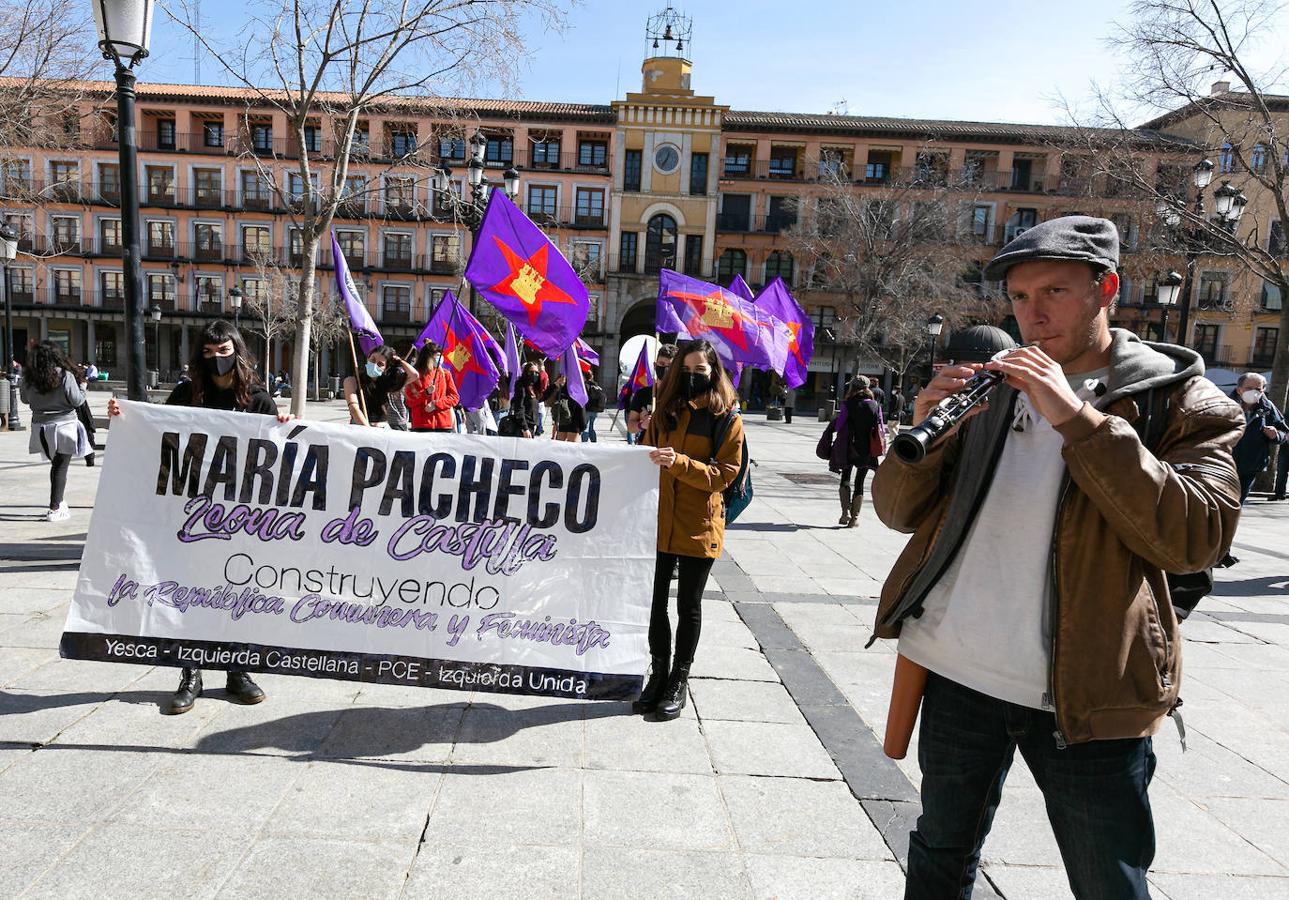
(1220, 87)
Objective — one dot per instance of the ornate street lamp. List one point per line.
(8, 252)
(934, 326)
(235, 300)
(124, 32)
(511, 180)
(1202, 174)
(1169, 289)
(155, 313)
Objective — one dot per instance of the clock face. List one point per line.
(666, 158)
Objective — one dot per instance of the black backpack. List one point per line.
(1185, 591)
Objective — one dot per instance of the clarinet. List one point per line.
(913, 445)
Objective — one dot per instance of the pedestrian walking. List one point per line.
(594, 405)
(1264, 429)
(1033, 592)
(223, 376)
(50, 385)
(432, 392)
(894, 411)
(696, 403)
(857, 424)
(641, 404)
(380, 382)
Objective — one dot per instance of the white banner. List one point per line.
(230, 541)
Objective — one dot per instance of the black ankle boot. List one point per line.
(243, 690)
(653, 688)
(187, 693)
(673, 698)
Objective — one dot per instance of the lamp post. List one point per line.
(8, 252)
(1170, 286)
(235, 300)
(124, 31)
(470, 211)
(1229, 203)
(934, 326)
(155, 313)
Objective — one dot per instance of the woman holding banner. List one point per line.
(223, 377)
(432, 392)
(697, 437)
(374, 395)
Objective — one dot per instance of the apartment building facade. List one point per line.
(663, 177)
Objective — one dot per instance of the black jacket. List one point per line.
(1253, 452)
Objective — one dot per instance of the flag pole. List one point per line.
(353, 354)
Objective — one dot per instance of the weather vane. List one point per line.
(669, 32)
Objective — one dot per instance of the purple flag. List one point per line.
(740, 287)
(512, 357)
(641, 377)
(667, 320)
(572, 371)
(360, 322)
(585, 352)
(464, 354)
(739, 331)
(523, 275)
(779, 302)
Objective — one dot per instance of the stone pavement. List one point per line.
(772, 784)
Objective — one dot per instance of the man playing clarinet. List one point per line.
(1034, 587)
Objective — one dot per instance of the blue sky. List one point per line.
(1002, 61)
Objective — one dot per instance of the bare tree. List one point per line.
(331, 63)
(1176, 49)
(269, 303)
(890, 257)
(46, 50)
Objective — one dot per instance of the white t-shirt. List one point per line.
(986, 622)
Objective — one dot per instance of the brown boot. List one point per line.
(855, 506)
(843, 494)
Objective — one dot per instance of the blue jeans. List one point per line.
(1095, 795)
(589, 433)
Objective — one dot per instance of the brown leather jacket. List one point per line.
(1124, 518)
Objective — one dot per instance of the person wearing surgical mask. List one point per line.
(695, 400)
(375, 395)
(1264, 430)
(431, 394)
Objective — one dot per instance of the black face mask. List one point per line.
(660, 372)
(221, 365)
(695, 384)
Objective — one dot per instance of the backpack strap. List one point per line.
(1153, 420)
(720, 428)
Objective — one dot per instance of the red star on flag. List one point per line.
(526, 281)
(714, 313)
(460, 357)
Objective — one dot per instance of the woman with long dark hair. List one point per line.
(695, 401)
(524, 405)
(50, 385)
(223, 376)
(432, 393)
(856, 425)
(380, 382)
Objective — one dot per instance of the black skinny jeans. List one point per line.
(689, 598)
(58, 463)
(860, 476)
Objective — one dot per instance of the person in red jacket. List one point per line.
(431, 397)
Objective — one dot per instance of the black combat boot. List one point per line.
(654, 687)
(673, 698)
(241, 689)
(187, 693)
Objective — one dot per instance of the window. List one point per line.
(210, 292)
(452, 148)
(109, 236)
(397, 302)
(64, 180)
(931, 168)
(257, 242)
(161, 238)
(262, 138)
(313, 138)
(546, 154)
(360, 143)
(165, 134)
(585, 257)
(15, 176)
(295, 246)
(1023, 175)
(631, 166)
(67, 285)
(732, 262)
(779, 264)
(500, 151)
(256, 291)
(109, 182)
(212, 134)
(445, 254)
(736, 213)
(981, 222)
(877, 169)
(1206, 340)
(832, 165)
(593, 153)
(1270, 299)
(209, 187)
(255, 191)
(436, 297)
(161, 291)
(66, 233)
(403, 143)
(783, 163)
(353, 246)
(782, 214)
(660, 244)
(628, 243)
(694, 254)
(22, 285)
(823, 316)
(1276, 239)
(738, 160)
(698, 174)
(398, 250)
(161, 184)
(208, 241)
(1213, 290)
(1258, 158)
(542, 202)
(111, 286)
(590, 207)
(400, 194)
(1226, 159)
(443, 202)
(1264, 346)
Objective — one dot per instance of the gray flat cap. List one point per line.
(1073, 238)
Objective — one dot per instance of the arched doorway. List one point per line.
(660, 244)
